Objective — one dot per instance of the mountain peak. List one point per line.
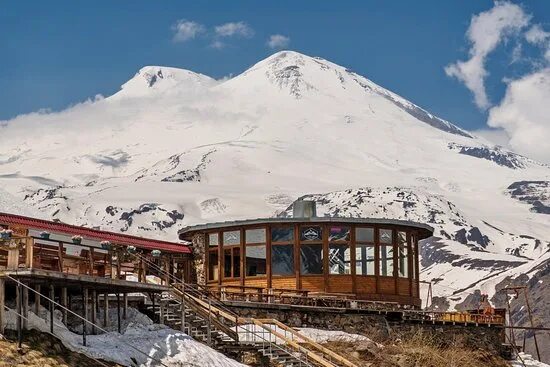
(153, 78)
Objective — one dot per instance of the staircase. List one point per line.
(205, 318)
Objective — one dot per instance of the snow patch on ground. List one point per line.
(157, 342)
(529, 362)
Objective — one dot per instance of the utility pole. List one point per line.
(515, 290)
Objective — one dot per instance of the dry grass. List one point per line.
(41, 350)
(416, 350)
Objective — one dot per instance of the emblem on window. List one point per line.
(385, 236)
(311, 234)
(232, 237)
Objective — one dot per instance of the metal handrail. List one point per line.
(236, 318)
(80, 317)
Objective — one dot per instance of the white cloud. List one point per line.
(185, 30)
(523, 114)
(539, 37)
(217, 44)
(240, 29)
(487, 30)
(494, 136)
(278, 41)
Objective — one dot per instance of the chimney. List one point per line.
(304, 209)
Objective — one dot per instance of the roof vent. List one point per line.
(304, 209)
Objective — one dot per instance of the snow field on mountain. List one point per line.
(174, 148)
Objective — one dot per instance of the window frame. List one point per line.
(359, 243)
(255, 244)
(291, 242)
(391, 246)
(340, 242)
(319, 242)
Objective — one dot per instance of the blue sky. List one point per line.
(54, 54)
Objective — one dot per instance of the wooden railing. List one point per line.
(70, 258)
(299, 297)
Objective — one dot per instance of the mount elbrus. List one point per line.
(175, 148)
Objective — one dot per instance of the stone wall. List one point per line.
(198, 274)
(378, 326)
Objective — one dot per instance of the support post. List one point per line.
(124, 305)
(209, 322)
(64, 304)
(152, 295)
(18, 295)
(182, 308)
(94, 311)
(2, 303)
(37, 296)
(25, 300)
(85, 315)
(161, 306)
(118, 312)
(52, 295)
(106, 309)
(29, 256)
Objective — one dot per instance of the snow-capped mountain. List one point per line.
(173, 148)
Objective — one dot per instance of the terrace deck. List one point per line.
(75, 282)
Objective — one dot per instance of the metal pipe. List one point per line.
(52, 295)
(85, 315)
(18, 294)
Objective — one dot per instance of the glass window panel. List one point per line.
(311, 259)
(413, 255)
(339, 258)
(403, 261)
(401, 237)
(386, 261)
(255, 235)
(231, 238)
(227, 263)
(236, 262)
(386, 236)
(312, 233)
(213, 239)
(364, 260)
(364, 234)
(213, 265)
(256, 263)
(282, 234)
(339, 234)
(282, 259)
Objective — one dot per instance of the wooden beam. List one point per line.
(94, 311)
(125, 306)
(85, 315)
(60, 255)
(2, 303)
(25, 307)
(52, 295)
(29, 252)
(37, 296)
(353, 259)
(91, 261)
(64, 304)
(18, 296)
(268, 256)
(118, 313)
(13, 256)
(118, 266)
(106, 309)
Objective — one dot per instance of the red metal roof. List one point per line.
(118, 238)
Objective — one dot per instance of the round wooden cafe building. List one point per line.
(367, 259)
